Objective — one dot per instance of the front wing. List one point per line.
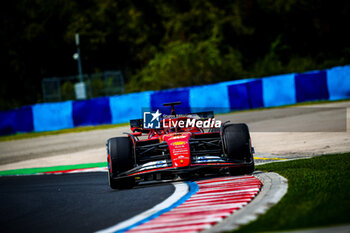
(164, 166)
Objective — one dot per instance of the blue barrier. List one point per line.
(24, 119)
(213, 96)
(160, 97)
(16, 121)
(311, 86)
(52, 116)
(126, 107)
(91, 112)
(255, 94)
(338, 80)
(246, 95)
(8, 122)
(279, 90)
(239, 96)
(332, 84)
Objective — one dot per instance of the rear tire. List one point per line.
(119, 160)
(237, 146)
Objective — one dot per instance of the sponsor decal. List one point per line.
(153, 120)
(179, 143)
(190, 123)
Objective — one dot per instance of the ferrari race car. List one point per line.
(180, 146)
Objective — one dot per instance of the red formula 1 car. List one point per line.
(181, 146)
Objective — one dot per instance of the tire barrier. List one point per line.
(330, 84)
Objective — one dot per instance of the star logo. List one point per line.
(151, 120)
(156, 115)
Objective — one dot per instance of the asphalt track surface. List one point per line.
(71, 202)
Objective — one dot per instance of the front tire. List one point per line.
(237, 146)
(119, 160)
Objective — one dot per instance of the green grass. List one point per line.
(62, 131)
(31, 171)
(318, 195)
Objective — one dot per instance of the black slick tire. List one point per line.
(237, 146)
(119, 160)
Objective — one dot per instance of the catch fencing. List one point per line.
(106, 83)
